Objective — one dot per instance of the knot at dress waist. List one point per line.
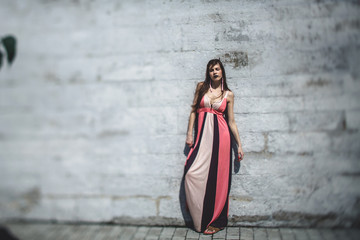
(210, 110)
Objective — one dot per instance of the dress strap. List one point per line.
(227, 91)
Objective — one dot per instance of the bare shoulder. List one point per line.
(230, 95)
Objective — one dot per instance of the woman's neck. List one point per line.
(215, 85)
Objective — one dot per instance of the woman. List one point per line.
(208, 165)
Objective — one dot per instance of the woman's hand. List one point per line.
(189, 140)
(240, 154)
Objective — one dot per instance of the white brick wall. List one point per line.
(94, 109)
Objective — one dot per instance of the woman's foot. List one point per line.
(212, 230)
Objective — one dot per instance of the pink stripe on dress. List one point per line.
(223, 168)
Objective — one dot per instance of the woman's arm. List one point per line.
(232, 125)
(189, 135)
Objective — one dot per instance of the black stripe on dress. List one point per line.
(195, 151)
(210, 194)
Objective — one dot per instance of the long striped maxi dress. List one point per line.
(208, 167)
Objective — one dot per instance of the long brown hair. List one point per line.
(206, 83)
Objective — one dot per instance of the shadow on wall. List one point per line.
(9, 44)
(182, 197)
(6, 234)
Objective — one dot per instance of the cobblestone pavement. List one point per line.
(39, 231)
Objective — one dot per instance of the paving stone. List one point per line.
(165, 238)
(104, 232)
(180, 232)
(300, 233)
(260, 234)
(273, 233)
(342, 234)
(52, 231)
(246, 233)
(151, 237)
(178, 238)
(205, 237)
(354, 234)
(127, 233)
(45, 231)
(328, 234)
(88, 232)
(141, 233)
(232, 233)
(287, 234)
(66, 231)
(191, 234)
(154, 233)
(167, 233)
(314, 234)
(114, 233)
(79, 231)
(38, 231)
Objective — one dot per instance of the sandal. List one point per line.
(212, 230)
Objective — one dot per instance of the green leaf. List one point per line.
(9, 43)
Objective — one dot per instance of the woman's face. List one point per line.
(215, 72)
